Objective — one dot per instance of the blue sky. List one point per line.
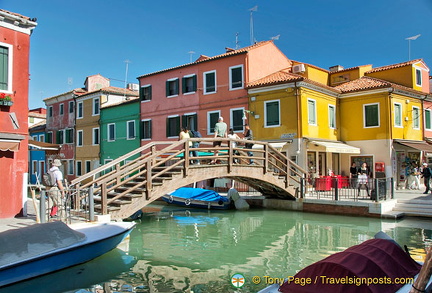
(75, 38)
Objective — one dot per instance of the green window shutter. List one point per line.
(194, 78)
(428, 119)
(272, 113)
(184, 85)
(149, 93)
(167, 127)
(58, 136)
(4, 64)
(167, 88)
(149, 129)
(195, 119)
(371, 115)
(184, 121)
(141, 94)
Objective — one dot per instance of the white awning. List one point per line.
(337, 147)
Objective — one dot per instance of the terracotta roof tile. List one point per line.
(204, 58)
(285, 76)
(392, 66)
(282, 76)
(114, 90)
(77, 91)
(15, 14)
(131, 99)
(365, 83)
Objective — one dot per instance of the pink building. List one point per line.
(194, 95)
(15, 31)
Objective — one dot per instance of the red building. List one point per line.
(15, 31)
(195, 95)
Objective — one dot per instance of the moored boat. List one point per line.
(40, 249)
(376, 265)
(198, 198)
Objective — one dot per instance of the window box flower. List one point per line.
(5, 100)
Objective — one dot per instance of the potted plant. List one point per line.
(5, 100)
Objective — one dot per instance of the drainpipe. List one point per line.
(299, 126)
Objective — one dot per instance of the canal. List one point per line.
(177, 250)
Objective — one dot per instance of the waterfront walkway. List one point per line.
(415, 196)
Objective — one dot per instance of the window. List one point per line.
(172, 87)
(236, 122)
(146, 129)
(95, 106)
(42, 137)
(35, 138)
(371, 115)
(173, 126)
(190, 121)
(145, 93)
(130, 129)
(69, 135)
(80, 109)
(60, 136)
(87, 166)
(212, 119)
(78, 168)
(416, 117)
(398, 115)
(49, 137)
(332, 116)
(5, 67)
(70, 167)
(236, 77)
(80, 138)
(418, 74)
(31, 119)
(111, 132)
(95, 137)
(427, 118)
(50, 111)
(272, 113)
(210, 82)
(312, 112)
(189, 84)
(71, 106)
(61, 111)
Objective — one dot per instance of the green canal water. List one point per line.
(177, 250)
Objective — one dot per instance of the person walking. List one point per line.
(220, 130)
(232, 135)
(248, 134)
(56, 193)
(363, 178)
(184, 134)
(426, 174)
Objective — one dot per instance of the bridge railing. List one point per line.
(151, 162)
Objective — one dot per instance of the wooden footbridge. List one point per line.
(129, 183)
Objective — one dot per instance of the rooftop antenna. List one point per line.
(413, 38)
(190, 57)
(252, 38)
(237, 41)
(70, 82)
(275, 38)
(126, 75)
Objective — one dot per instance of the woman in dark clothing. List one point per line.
(353, 175)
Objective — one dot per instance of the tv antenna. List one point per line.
(252, 38)
(237, 41)
(126, 75)
(413, 38)
(275, 38)
(190, 55)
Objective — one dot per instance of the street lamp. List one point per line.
(413, 38)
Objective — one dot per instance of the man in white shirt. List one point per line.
(56, 192)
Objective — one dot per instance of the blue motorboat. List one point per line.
(198, 198)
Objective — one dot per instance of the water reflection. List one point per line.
(177, 250)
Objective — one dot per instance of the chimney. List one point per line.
(336, 68)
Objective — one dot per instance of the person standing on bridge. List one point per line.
(184, 134)
(220, 130)
(248, 135)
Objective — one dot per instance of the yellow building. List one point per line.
(327, 119)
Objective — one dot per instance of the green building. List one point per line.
(119, 129)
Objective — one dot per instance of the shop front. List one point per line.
(408, 155)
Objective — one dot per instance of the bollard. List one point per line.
(91, 205)
(42, 207)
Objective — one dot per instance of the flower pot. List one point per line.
(6, 103)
